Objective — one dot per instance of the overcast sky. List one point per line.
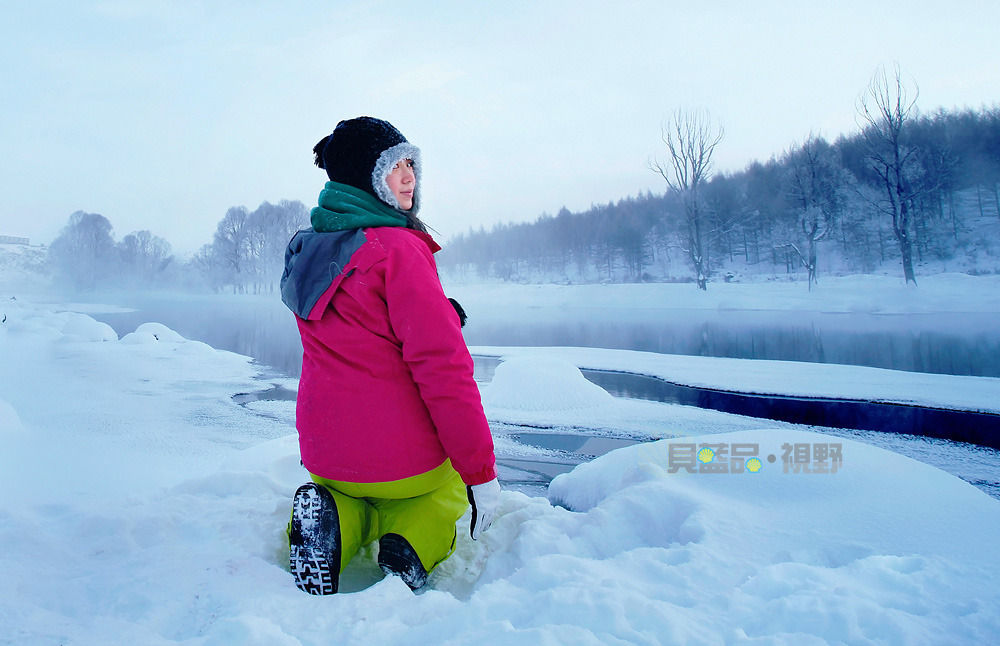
(161, 114)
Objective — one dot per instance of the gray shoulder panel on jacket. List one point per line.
(312, 262)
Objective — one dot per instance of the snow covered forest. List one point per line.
(908, 193)
(833, 206)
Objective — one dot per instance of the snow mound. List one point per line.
(160, 332)
(152, 333)
(278, 458)
(9, 419)
(917, 508)
(195, 348)
(21, 322)
(80, 327)
(885, 550)
(138, 338)
(540, 383)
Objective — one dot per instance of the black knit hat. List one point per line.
(361, 152)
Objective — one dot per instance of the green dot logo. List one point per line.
(754, 465)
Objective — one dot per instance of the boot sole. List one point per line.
(314, 541)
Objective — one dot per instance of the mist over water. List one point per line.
(947, 343)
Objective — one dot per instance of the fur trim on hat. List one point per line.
(384, 165)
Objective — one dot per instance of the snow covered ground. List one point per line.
(140, 503)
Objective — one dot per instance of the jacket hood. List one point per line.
(313, 262)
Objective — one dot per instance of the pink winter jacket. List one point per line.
(387, 390)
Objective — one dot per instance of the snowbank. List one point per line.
(782, 377)
(142, 505)
(542, 383)
(885, 550)
(103, 415)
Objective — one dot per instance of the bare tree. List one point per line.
(691, 138)
(270, 227)
(144, 256)
(208, 264)
(813, 181)
(84, 250)
(885, 110)
(248, 248)
(231, 243)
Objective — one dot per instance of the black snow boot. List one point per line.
(397, 557)
(314, 540)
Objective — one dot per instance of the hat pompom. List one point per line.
(318, 152)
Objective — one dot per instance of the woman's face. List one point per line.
(402, 181)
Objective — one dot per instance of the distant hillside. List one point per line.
(820, 208)
(23, 267)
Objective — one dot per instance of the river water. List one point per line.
(262, 328)
(956, 344)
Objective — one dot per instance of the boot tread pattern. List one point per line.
(309, 558)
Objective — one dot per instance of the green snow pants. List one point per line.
(423, 509)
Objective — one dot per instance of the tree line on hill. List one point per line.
(908, 188)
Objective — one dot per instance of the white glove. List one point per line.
(484, 499)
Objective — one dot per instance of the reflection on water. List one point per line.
(564, 451)
(255, 326)
(963, 344)
(956, 344)
(588, 446)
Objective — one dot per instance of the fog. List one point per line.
(942, 342)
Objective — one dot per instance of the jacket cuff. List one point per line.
(479, 477)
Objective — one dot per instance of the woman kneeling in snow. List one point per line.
(390, 421)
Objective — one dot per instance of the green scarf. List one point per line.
(342, 207)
